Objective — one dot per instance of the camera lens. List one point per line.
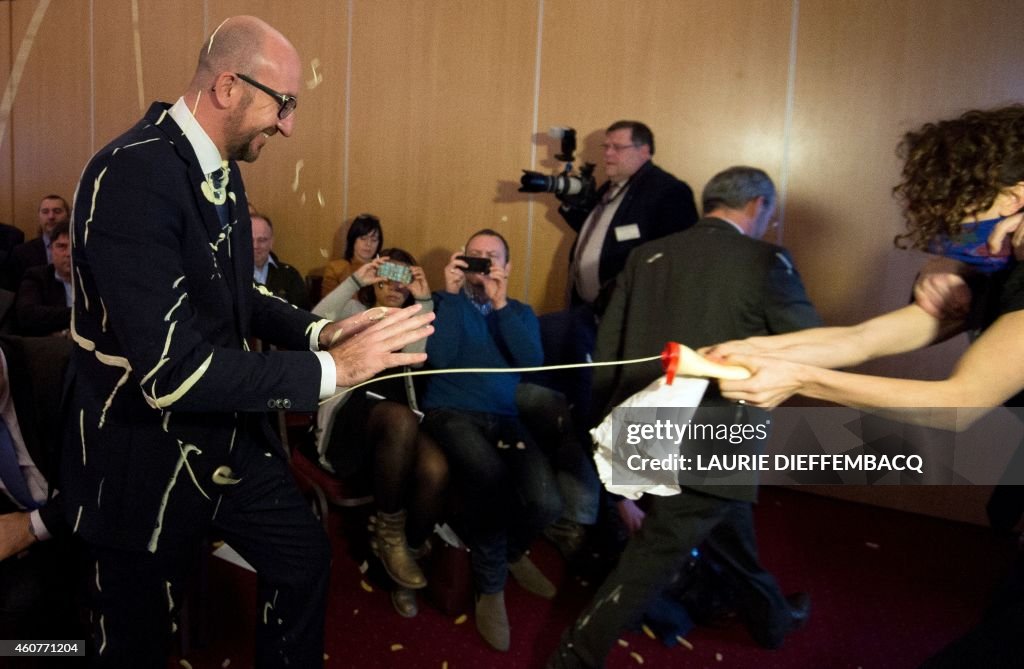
(535, 182)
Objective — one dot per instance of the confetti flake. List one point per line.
(226, 663)
(637, 656)
(461, 619)
(649, 632)
(365, 586)
(185, 663)
(623, 643)
(684, 643)
(872, 545)
(718, 657)
(397, 647)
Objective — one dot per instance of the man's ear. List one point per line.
(752, 208)
(225, 91)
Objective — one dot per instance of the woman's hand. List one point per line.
(367, 274)
(1008, 227)
(748, 346)
(771, 383)
(418, 287)
(940, 289)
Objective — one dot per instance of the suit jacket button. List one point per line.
(287, 404)
(270, 404)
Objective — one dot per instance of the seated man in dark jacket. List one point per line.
(280, 278)
(43, 303)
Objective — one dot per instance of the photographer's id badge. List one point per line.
(624, 233)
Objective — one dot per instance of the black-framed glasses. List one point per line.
(287, 102)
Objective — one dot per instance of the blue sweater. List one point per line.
(463, 337)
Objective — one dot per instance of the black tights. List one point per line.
(406, 459)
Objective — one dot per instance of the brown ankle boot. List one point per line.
(388, 543)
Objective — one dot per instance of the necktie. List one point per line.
(215, 188)
(10, 470)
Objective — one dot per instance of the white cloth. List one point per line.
(684, 392)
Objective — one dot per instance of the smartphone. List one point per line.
(393, 271)
(477, 265)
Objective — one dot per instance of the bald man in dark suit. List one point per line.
(168, 434)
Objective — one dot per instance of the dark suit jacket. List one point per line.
(709, 284)
(656, 202)
(35, 372)
(162, 389)
(30, 254)
(40, 305)
(285, 281)
(10, 237)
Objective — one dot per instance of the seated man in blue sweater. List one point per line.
(509, 491)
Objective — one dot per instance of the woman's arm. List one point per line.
(988, 374)
(906, 329)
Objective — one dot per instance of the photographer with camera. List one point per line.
(639, 202)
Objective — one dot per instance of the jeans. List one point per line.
(546, 414)
(509, 491)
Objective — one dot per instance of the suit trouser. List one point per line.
(672, 528)
(135, 596)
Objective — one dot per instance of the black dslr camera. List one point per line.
(564, 184)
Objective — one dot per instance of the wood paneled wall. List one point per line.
(425, 111)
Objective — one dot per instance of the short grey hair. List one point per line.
(735, 187)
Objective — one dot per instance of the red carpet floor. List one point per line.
(888, 588)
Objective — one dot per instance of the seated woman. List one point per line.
(363, 242)
(377, 427)
(960, 175)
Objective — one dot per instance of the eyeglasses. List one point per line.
(287, 102)
(618, 148)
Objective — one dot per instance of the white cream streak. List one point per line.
(192, 474)
(98, 588)
(128, 146)
(81, 432)
(103, 635)
(163, 354)
(99, 493)
(189, 448)
(92, 207)
(113, 361)
(167, 316)
(24, 49)
(78, 272)
(170, 398)
(78, 519)
(214, 34)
